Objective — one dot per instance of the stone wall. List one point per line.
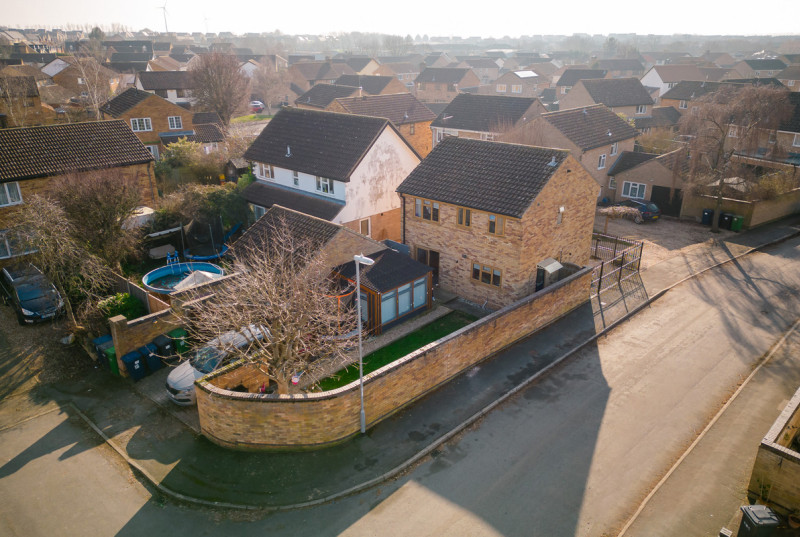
(775, 480)
(252, 421)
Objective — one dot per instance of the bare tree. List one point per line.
(219, 85)
(96, 79)
(729, 124)
(16, 99)
(81, 277)
(97, 205)
(271, 85)
(283, 287)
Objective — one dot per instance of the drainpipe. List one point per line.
(402, 197)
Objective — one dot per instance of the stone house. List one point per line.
(483, 116)
(411, 117)
(624, 96)
(33, 157)
(517, 84)
(343, 168)
(649, 177)
(442, 84)
(174, 86)
(488, 217)
(593, 134)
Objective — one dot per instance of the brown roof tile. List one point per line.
(399, 108)
(617, 91)
(591, 126)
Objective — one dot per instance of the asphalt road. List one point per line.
(571, 456)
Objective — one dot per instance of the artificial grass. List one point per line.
(403, 346)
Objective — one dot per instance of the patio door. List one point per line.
(430, 258)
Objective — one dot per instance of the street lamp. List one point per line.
(361, 260)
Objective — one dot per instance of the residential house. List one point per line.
(362, 65)
(593, 134)
(442, 84)
(438, 59)
(620, 67)
(484, 116)
(759, 68)
(720, 59)
(174, 86)
(790, 77)
(624, 96)
(649, 177)
(82, 76)
(662, 117)
(164, 63)
(571, 77)
(486, 216)
(32, 157)
(250, 67)
(665, 77)
(307, 74)
(340, 167)
(405, 72)
(20, 103)
(652, 59)
(780, 149)
(209, 136)
(684, 94)
(411, 117)
(373, 85)
(319, 97)
(486, 68)
(517, 84)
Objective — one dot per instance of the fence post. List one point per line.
(600, 281)
(641, 251)
(616, 242)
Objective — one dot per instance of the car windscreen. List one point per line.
(26, 293)
(652, 207)
(207, 359)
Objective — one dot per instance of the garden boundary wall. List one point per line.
(755, 213)
(254, 421)
(124, 285)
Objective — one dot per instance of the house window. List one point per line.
(486, 274)
(295, 178)
(404, 299)
(601, 162)
(420, 292)
(772, 137)
(565, 89)
(175, 122)
(671, 85)
(153, 150)
(81, 81)
(324, 185)
(464, 217)
(426, 209)
(796, 141)
(641, 109)
(412, 129)
(516, 88)
(733, 131)
(612, 183)
(501, 88)
(683, 105)
(365, 227)
(790, 83)
(258, 211)
(11, 246)
(161, 93)
(633, 190)
(10, 194)
(140, 124)
(614, 148)
(265, 171)
(487, 136)
(496, 224)
(180, 93)
(388, 307)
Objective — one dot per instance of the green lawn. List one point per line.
(386, 355)
(251, 117)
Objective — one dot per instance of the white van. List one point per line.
(180, 382)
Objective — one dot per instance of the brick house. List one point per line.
(661, 117)
(306, 74)
(174, 86)
(790, 77)
(665, 77)
(624, 96)
(33, 157)
(486, 69)
(411, 117)
(374, 84)
(405, 72)
(20, 103)
(517, 84)
(593, 134)
(343, 168)
(572, 76)
(82, 76)
(319, 97)
(620, 67)
(488, 217)
(759, 68)
(442, 84)
(649, 177)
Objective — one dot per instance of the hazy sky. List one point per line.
(462, 18)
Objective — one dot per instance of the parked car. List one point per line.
(30, 293)
(257, 107)
(647, 209)
(180, 381)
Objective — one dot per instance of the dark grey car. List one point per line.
(30, 293)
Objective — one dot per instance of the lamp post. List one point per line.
(361, 260)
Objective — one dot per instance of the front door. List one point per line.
(430, 258)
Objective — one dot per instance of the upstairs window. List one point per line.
(265, 171)
(733, 131)
(295, 178)
(496, 224)
(325, 185)
(601, 162)
(516, 88)
(614, 148)
(501, 88)
(141, 124)
(175, 122)
(683, 105)
(641, 109)
(10, 194)
(796, 141)
(464, 217)
(426, 209)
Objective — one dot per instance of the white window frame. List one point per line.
(683, 105)
(295, 178)
(6, 188)
(516, 88)
(733, 131)
(614, 148)
(565, 89)
(641, 109)
(796, 140)
(258, 210)
(636, 191)
(141, 124)
(153, 150)
(175, 123)
(501, 88)
(325, 186)
(265, 171)
(601, 162)
(612, 182)
(790, 83)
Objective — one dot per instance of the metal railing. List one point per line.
(621, 260)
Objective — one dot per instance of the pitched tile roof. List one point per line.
(165, 80)
(55, 95)
(628, 160)
(790, 73)
(442, 75)
(208, 132)
(484, 113)
(305, 227)
(267, 195)
(322, 70)
(617, 91)
(206, 117)
(488, 176)
(390, 270)
(688, 90)
(662, 116)
(372, 85)
(765, 65)
(590, 126)
(481, 63)
(31, 152)
(714, 74)
(792, 124)
(620, 64)
(321, 143)
(321, 95)
(18, 87)
(24, 70)
(676, 73)
(399, 108)
(570, 77)
(124, 101)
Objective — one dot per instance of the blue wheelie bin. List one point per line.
(150, 353)
(135, 365)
